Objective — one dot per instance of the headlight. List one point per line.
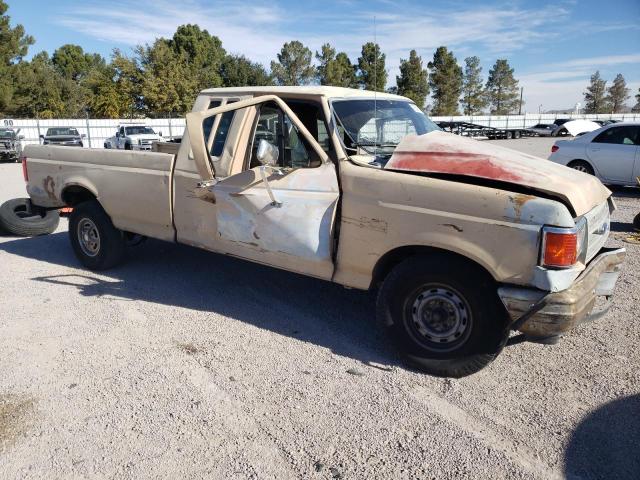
(563, 247)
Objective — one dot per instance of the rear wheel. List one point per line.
(581, 166)
(127, 146)
(443, 314)
(95, 241)
(636, 222)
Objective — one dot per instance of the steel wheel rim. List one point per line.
(438, 317)
(88, 237)
(580, 168)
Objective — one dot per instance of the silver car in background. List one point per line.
(611, 153)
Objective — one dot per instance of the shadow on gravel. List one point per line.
(622, 227)
(606, 443)
(624, 192)
(286, 303)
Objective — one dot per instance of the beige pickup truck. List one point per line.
(465, 241)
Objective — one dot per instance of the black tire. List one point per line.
(127, 146)
(443, 282)
(106, 145)
(517, 134)
(636, 222)
(581, 166)
(19, 217)
(95, 241)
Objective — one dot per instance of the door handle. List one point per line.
(595, 149)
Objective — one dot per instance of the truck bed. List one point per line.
(134, 187)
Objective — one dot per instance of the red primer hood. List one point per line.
(441, 152)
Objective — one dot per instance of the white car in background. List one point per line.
(133, 137)
(611, 153)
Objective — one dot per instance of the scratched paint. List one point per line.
(441, 152)
(299, 227)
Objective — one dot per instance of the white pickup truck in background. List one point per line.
(132, 136)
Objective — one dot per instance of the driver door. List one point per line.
(281, 215)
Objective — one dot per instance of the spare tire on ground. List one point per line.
(19, 217)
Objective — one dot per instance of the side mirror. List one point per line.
(42, 137)
(117, 134)
(83, 136)
(159, 134)
(267, 154)
(20, 137)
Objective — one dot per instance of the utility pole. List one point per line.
(520, 108)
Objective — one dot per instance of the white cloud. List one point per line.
(258, 29)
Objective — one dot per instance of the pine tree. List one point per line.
(14, 44)
(502, 89)
(637, 106)
(336, 70)
(595, 95)
(294, 65)
(473, 97)
(445, 82)
(618, 94)
(239, 71)
(372, 73)
(413, 79)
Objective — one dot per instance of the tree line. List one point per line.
(163, 78)
(600, 99)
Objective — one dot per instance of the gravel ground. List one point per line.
(186, 364)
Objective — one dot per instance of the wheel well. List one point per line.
(389, 260)
(75, 194)
(578, 160)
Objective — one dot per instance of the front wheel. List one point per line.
(95, 241)
(636, 222)
(443, 314)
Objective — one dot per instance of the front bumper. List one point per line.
(539, 314)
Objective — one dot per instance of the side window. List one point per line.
(627, 135)
(216, 144)
(277, 129)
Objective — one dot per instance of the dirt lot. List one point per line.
(186, 364)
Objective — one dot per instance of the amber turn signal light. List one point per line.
(560, 249)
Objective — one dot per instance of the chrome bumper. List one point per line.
(539, 314)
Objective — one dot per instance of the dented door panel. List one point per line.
(296, 234)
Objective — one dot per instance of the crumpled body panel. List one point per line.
(445, 153)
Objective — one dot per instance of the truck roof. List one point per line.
(320, 90)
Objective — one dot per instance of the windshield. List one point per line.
(139, 130)
(6, 133)
(54, 132)
(377, 126)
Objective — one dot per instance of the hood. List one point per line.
(446, 153)
(576, 127)
(62, 138)
(144, 136)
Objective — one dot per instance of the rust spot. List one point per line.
(518, 201)
(461, 163)
(49, 187)
(455, 227)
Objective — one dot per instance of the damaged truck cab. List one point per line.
(464, 241)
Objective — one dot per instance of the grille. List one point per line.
(598, 226)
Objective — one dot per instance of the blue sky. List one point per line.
(554, 46)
